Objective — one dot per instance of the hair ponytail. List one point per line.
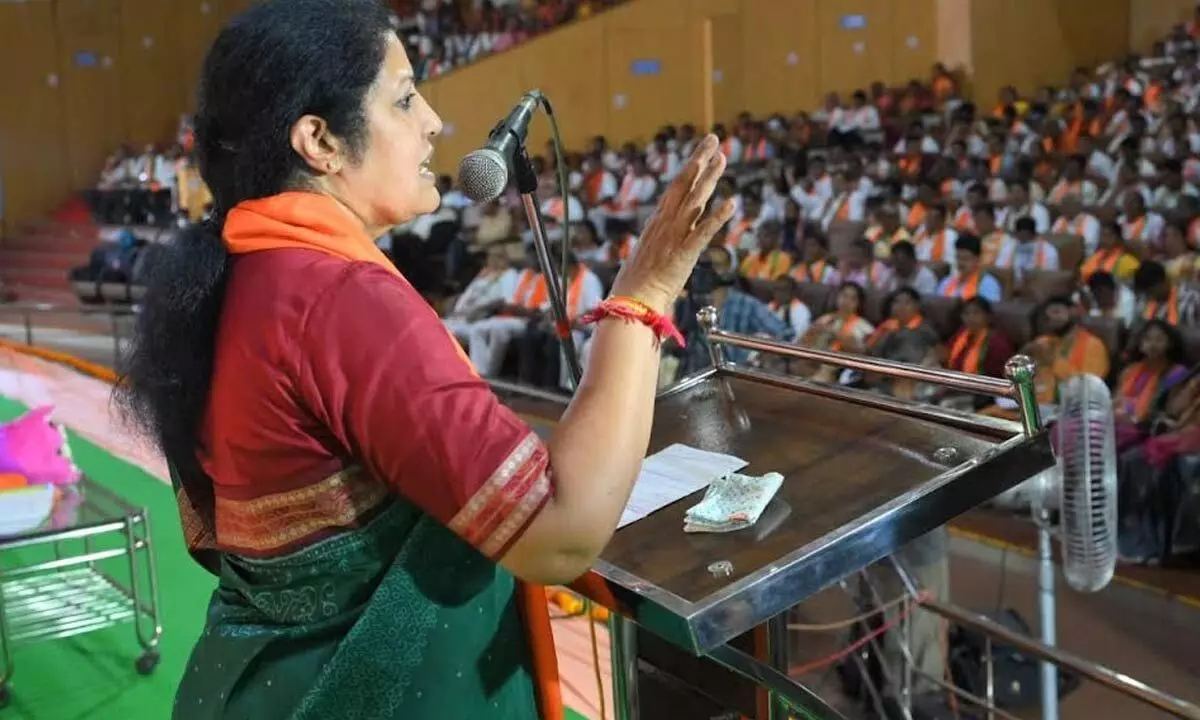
(166, 374)
(243, 151)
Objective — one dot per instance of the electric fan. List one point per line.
(1083, 489)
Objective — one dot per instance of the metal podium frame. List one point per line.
(706, 638)
(762, 597)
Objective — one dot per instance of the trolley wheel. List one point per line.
(147, 662)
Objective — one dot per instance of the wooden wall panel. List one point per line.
(153, 88)
(853, 57)
(33, 164)
(1028, 43)
(726, 92)
(571, 71)
(201, 20)
(784, 58)
(89, 53)
(913, 40)
(772, 56)
(1151, 20)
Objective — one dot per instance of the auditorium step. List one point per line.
(20, 278)
(44, 259)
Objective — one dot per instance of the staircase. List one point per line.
(35, 263)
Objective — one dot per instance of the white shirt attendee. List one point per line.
(1085, 190)
(796, 315)
(923, 280)
(1147, 229)
(1041, 216)
(1026, 252)
(1082, 224)
(495, 283)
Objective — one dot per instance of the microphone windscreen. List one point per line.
(483, 175)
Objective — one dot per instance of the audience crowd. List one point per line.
(906, 223)
(909, 224)
(445, 34)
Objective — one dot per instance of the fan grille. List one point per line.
(1087, 484)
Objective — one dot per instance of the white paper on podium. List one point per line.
(672, 474)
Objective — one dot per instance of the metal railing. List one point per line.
(115, 319)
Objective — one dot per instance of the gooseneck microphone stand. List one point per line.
(526, 181)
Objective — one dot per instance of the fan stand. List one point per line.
(1047, 618)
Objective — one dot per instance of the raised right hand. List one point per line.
(677, 233)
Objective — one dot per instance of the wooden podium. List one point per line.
(698, 617)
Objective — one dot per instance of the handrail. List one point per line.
(965, 382)
(1109, 678)
(114, 313)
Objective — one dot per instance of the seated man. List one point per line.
(1026, 252)
(864, 270)
(767, 261)
(970, 280)
(540, 351)
(1158, 299)
(788, 307)
(817, 267)
(494, 284)
(714, 283)
(488, 338)
(934, 241)
(1103, 296)
(1062, 348)
(908, 273)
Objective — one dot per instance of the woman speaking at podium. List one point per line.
(377, 520)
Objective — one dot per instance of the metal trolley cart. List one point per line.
(65, 577)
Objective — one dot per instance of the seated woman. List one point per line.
(1155, 369)
(843, 330)
(978, 348)
(788, 307)
(904, 337)
(1158, 512)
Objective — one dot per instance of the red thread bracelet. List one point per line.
(630, 309)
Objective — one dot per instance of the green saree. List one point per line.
(396, 619)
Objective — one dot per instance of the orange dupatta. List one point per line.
(1139, 387)
(892, 325)
(1154, 306)
(970, 286)
(973, 359)
(323, 225)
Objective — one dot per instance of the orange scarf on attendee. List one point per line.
(892, 325)
(974, 349)
(845, 334)
(308, 221)
(969, 285)
(1139, 387)
(1105, 260)
(1154, 307)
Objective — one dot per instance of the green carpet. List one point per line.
(92, 677)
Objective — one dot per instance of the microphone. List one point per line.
(483, 173)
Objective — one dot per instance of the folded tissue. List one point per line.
(732, 502)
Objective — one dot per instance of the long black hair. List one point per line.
(277, 62)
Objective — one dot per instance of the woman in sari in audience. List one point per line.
(978, 348)
(904, 337)
(1155, 368)
(1157, 505)
(843, 330)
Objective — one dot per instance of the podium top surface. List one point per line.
(859, 483)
